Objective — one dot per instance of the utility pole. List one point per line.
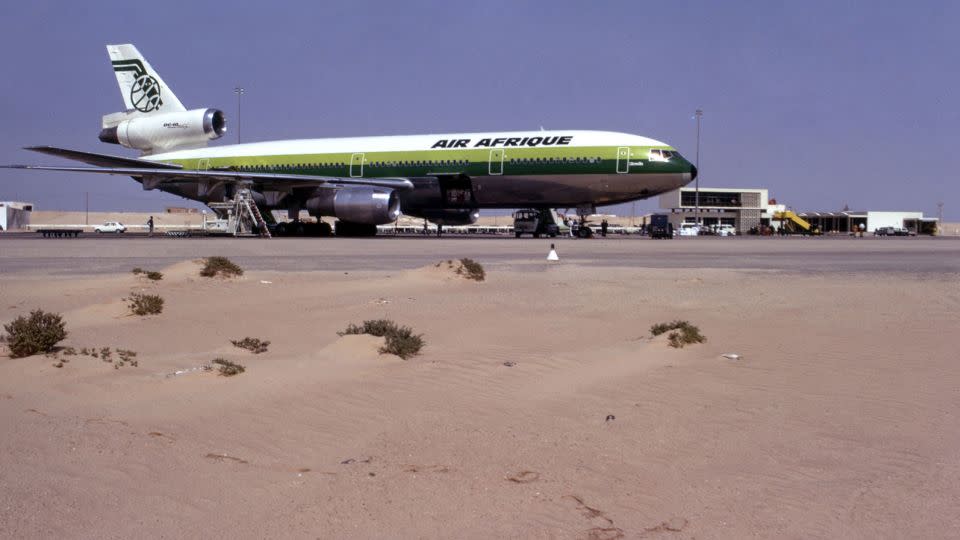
(699, 114)
(239, 92)
(939, 217)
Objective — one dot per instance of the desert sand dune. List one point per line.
(540, 407)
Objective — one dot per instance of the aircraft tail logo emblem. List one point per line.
(145, 90)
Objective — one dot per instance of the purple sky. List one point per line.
(824, 103)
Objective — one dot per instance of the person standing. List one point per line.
(150, 225)
(603, 227)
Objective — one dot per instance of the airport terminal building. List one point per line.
(749, 209)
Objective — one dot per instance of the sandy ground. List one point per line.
(540, 407)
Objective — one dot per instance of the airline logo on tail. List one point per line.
(145, 90)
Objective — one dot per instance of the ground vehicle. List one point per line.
(689, 229)
(724, 230)
(660, 226)
(110, 227)
(536, 222)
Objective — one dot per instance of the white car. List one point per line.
(110, 226)
(689, 229)
(725, 230)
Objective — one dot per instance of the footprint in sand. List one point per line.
(588, 511)
(674, 525)
(164, 436)
(225, 458)
(524, 477)
(604, 533)
(607, 532)
(426, 468)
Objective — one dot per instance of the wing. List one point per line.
(101, 160)
(158, 173)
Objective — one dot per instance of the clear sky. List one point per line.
(825, 103)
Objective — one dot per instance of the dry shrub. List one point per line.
(144, 304)
(682, 333)
(228, 368)
(222, 266)
(471, 269)
(401, 340)
(40, 332)
(254, 345)
(153, 276)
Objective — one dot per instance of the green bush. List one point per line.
(40, 332)
(471, 269)
(228, 368)
(254, 345)
(214, 266)
(401, 340)
(682, 333)
(145, 304)
(137, 271)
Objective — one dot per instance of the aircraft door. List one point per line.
(356, 165)
(623, 160)
(496, 161)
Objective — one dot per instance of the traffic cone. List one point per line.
(552, 256)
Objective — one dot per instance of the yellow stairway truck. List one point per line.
(793, 219)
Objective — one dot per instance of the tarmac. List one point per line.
(28, 253)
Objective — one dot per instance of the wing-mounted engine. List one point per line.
(366, 205)
(161, 132)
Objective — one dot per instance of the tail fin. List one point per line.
(143, 91)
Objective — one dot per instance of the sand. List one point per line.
(540, 407)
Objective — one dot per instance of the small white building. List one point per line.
(14, 215)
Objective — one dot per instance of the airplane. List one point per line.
(363, 182)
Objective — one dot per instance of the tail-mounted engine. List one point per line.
(166, 131)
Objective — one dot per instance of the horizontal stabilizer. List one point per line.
(100, 160)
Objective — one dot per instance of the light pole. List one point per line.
(239, 92)
(699, 114)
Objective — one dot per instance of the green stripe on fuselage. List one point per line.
(471, 162)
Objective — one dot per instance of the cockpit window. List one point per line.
(657, 154)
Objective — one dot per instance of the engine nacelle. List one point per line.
(368, 205)
(448, 216)
(167, 131)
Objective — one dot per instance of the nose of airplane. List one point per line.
(693, 172)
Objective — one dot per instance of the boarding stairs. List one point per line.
(241, 216)
(254, 212)
(791, 218)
